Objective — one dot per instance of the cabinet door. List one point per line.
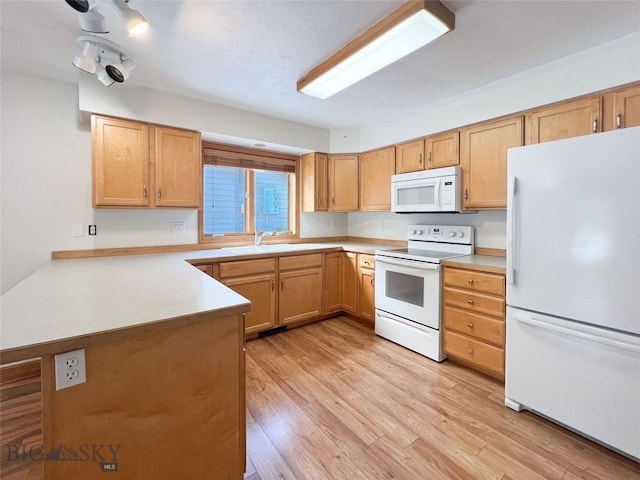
(569, 119)
(261, 291)
(343, 183)
(483, 157)
(366, 308)
(410, 156)
(178, 168)
(300, 295)
(442, 150)
(314, 182)
(349, 266)
(120, 163)
(626, 105)
(376, 169)
(332, 282)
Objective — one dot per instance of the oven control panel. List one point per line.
(441, 233)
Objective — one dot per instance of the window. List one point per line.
(246, 190)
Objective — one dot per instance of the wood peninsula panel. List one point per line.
(168, 403)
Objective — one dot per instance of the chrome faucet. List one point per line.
(260, 235)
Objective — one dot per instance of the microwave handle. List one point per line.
(437, 193)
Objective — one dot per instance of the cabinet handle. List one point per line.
(144, 191)
(373, 282)
(466, 194)
(470, 325)
(159, 192)
(420, 159)
(470, 351)
(595, 125)
(273, 285)
(429, 157)
(619, 120)
(281, 284)
(333, 200)
(470, 281)
(470, 302)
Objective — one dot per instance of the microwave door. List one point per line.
(418, 195)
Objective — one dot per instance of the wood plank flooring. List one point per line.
(333, 401)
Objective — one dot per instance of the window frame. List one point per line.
(251, 159)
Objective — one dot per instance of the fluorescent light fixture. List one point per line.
(406, 29)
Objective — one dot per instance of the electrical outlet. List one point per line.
(93, 230)
(70, 369)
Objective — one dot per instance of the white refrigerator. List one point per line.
(573, 285)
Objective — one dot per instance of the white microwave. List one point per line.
(436, 190)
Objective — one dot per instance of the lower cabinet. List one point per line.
(300, 295)
(333, 282)
(366, 287)
(473, 317)
(256, 281)
(349, 269)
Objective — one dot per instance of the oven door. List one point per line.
(409, 289)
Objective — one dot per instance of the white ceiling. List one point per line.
(250, 54)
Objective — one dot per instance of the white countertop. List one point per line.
(68, 299)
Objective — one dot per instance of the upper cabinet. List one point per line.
(343, 183)
(141, 165)
(376, 169)
(483, 157)
(565, 120)
(314, 182)
(442, 150)
(626, 107)
(410, 156)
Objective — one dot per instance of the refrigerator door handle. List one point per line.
(534, 322)
(511, 229)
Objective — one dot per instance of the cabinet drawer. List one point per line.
(476, 302)
(474, 325)
(247, 267)
(472, 351)
(476, 281)
(300, 261)
(366, 261)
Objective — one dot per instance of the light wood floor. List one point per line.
(333, 401)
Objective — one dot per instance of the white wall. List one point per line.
(608, 65)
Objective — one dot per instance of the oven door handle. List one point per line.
(406, 263)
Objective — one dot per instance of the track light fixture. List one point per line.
(103, 58)
(91, 20)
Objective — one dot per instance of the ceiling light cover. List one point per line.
(406, 29)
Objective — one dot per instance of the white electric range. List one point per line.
(408, 293)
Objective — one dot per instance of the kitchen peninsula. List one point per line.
(164, 366)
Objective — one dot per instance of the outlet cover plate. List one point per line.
(71, 369)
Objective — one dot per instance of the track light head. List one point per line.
(82, 6)
(86, 60)
(93, 21)
(136, 24)
(103, 76)
(119, 71)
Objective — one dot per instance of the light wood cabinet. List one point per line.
(626, 107)
(473, 318)
(376, 169)
(343, 183)
(442, 150)
(483, 157)
(314, 185)
(366, 287)
(300, 295)
(256, 281)
(332, 282)
(565, 120)
(349, 270)
(410, 156)
(141, 165)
